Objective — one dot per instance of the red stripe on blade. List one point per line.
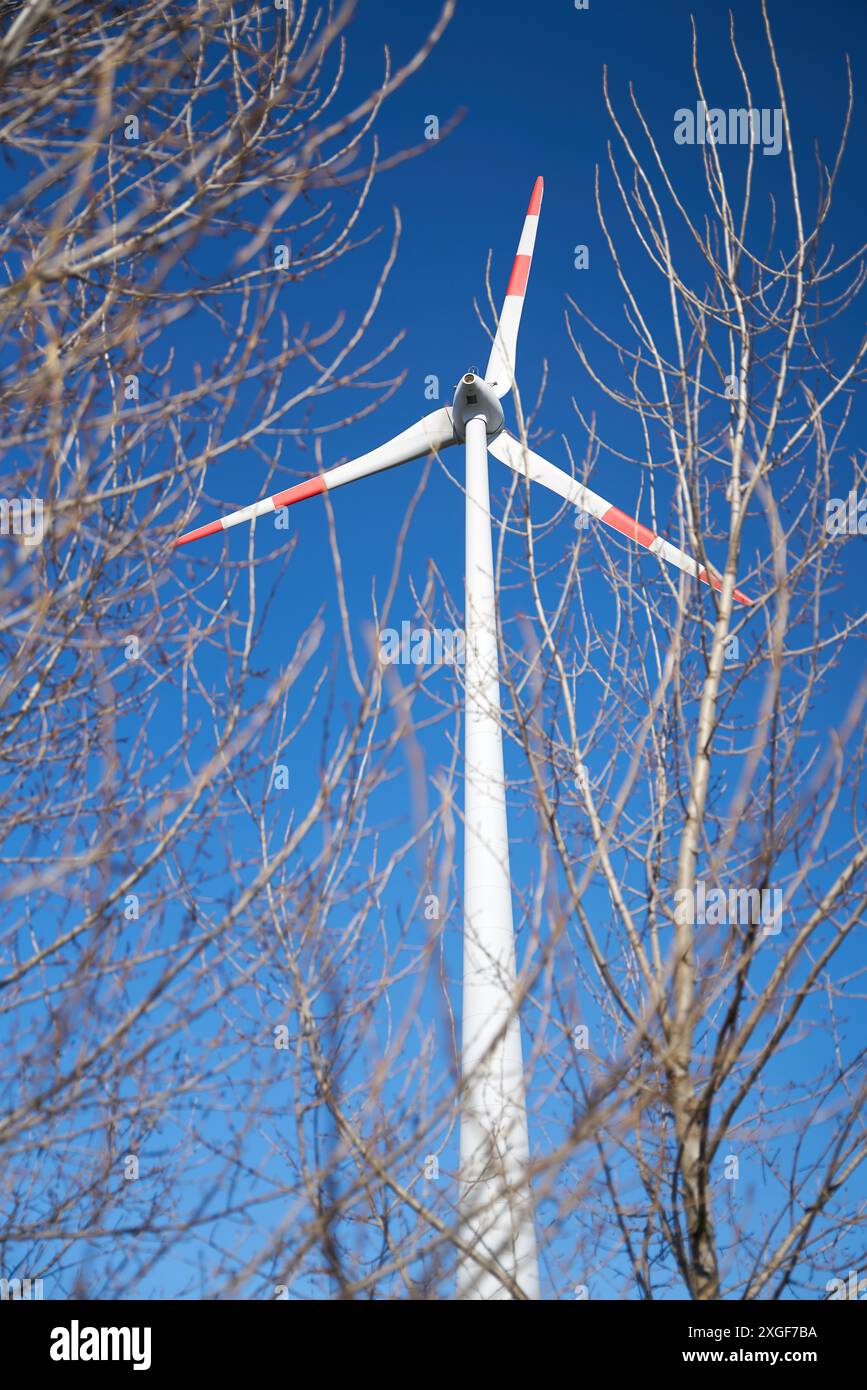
(715, 583)
(628, 526)
(311, 488)
(536, 200)
(520, 274)
(209, 530)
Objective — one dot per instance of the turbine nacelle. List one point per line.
(474, 398)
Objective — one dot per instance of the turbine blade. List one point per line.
(511, 451)
(432, 432)
(500, 373)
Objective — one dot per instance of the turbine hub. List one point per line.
(473, 398)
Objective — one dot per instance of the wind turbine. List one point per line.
(496, 1218)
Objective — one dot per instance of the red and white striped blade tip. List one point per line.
(526, 462)
(311, 487)
(200, 531)
(636, 531)
(427, 435)
(500, 371)
(716, 583)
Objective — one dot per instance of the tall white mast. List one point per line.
(496, 1214)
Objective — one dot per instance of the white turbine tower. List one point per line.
(496, 1217)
